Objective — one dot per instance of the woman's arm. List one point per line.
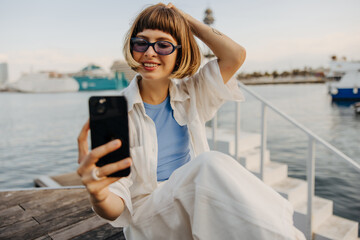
(105, 203)
(110, 208)
(230, 54)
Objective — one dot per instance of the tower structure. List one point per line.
(208, 20)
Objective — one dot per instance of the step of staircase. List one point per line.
(322, 209)
(273, 172)
(336, 227)
(251, 159)
(293, 189)
(225, 141)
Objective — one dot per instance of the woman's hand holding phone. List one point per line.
(98, 188)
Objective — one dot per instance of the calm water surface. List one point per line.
(38, 137)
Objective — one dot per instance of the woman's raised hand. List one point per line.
(95, 178)
(172, 6)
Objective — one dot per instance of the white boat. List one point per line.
(44, 82)
(348, 84)
(338, 68)
(347, 88)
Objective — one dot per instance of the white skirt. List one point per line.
(213, 197)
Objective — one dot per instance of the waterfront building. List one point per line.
(3, 73)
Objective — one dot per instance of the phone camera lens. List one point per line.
(100, 108)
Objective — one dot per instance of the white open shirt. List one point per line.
(194, 101)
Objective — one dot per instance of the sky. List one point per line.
(66, 35)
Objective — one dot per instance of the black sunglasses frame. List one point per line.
(149, 44)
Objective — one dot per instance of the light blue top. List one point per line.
(173, 139)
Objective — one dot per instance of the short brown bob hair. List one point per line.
(168, 20)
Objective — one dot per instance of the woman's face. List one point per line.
(154, 66)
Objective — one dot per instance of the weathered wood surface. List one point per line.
(51, 214)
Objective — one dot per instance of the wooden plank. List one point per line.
(12, 198)
(51, 201)
(9, 199)
(67, 220)
(46, 237)
(117, 236)
(65, 210)
(105, 231)
(11, 215)
(59, 197)
(50, 214)
(77, 228)
(19, 230)
(36, 230)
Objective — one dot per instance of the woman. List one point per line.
(177, 188)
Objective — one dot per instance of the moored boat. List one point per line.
(347, 88)
(93, 78)
(44, 82)
(347, 80)
(338, 68)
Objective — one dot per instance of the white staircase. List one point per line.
(325, 225)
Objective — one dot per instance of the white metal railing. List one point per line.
(312, 140)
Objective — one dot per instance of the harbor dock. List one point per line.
(52, 213)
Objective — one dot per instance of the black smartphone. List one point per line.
(109, 121)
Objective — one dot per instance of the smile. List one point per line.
(150, 65)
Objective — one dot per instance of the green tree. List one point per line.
(275, 74)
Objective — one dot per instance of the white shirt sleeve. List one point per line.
(210, 90)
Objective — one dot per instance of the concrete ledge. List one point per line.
(293, 189)
(251, 159)
(273, 172)
(46, 181)
(337, 228)
(322, 209)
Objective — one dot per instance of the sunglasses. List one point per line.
(160, 47)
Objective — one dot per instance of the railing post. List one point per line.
(263, 138)
(237, 129)
(310, 175)
(214, 128)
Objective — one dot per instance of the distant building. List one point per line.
(122, 67)
(3, 73)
